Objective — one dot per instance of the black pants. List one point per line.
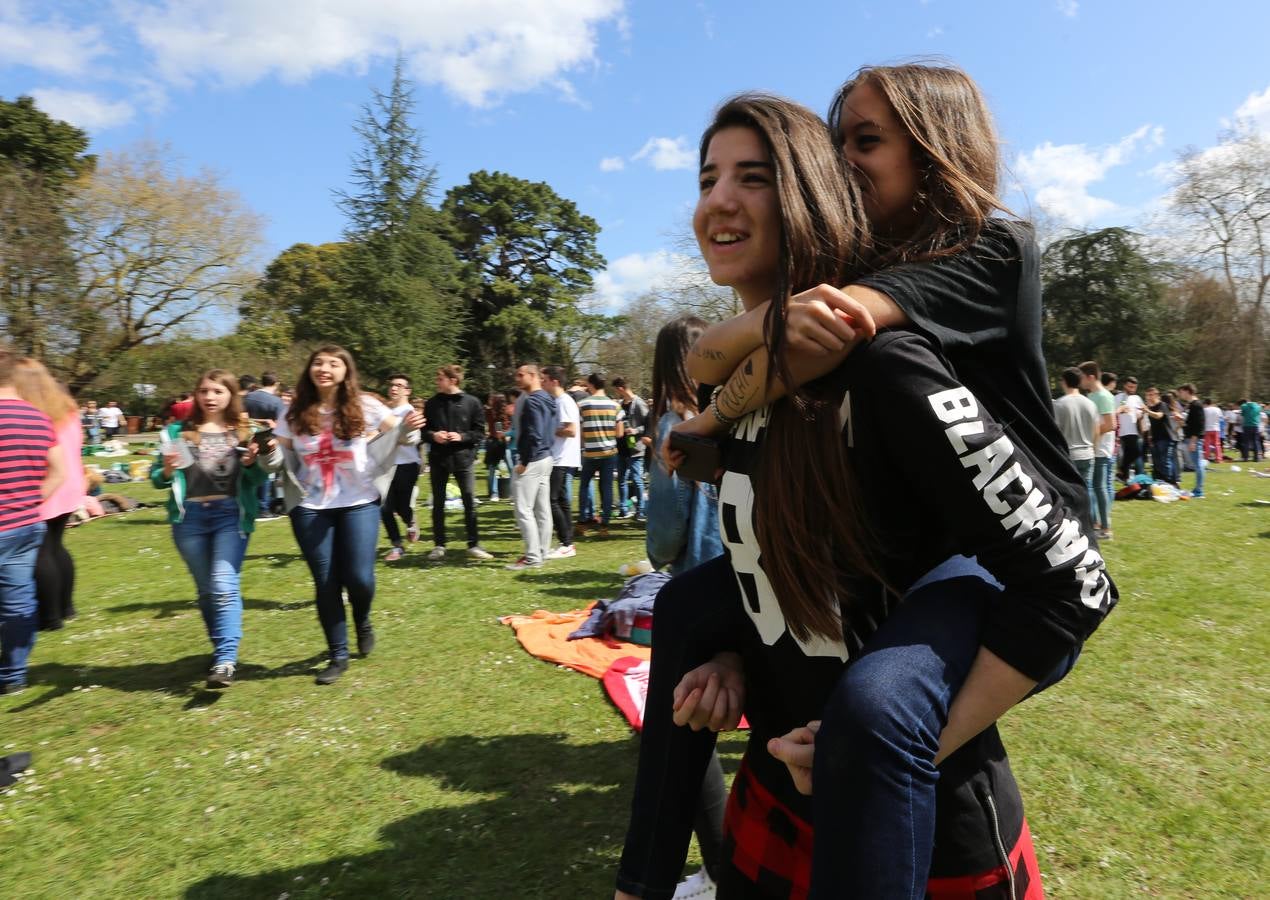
(677, 784)
(54, 576)
(560, 505)
(461, 467)
(1129, 451)
(397, 503)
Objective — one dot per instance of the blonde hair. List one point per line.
(37, 386)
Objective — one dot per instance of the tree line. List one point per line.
(121, 270)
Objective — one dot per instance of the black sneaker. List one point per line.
(365, 639)
(334, 669)
(221, 676)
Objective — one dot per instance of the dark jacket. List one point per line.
(539, 421)
(454, 412)
(1194, 427)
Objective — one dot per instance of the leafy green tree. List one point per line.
(529, 255)
(1104, 301)
(40, 159)
(37, 142)
(300, 285)
(37, 268)
(398, 304)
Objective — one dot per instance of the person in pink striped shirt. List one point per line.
(30, 470)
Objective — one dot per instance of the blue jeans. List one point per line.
(874, 767)
(18, 549)
(1104, 493)
(1162, 461)
(209, 541)
(339, 546)
(606, 469)
(1085, 468)
(630, 483)
(1196, 455)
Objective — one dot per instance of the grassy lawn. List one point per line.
(452, 764)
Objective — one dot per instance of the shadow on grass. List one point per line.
(166, 609)
(550, 824)
(178, 678)
(553, 805)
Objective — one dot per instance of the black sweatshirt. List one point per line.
(459, 412)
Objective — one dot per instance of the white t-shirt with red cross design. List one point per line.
(335, 473)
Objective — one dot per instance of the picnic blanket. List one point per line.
(622, 667)
(546, 635)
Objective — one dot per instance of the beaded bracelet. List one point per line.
(714, 408)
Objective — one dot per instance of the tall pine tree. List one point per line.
(398, 305)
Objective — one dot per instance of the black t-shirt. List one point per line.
(1160, 426)
(1194, 419)
(981, 309)
(938, 474)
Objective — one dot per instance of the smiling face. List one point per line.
(327, 371)
(737, 220)
(883, 156)
(213, 398)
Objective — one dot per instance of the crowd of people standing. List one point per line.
(1111, 431)
(337, 460)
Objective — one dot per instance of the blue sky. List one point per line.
(605, 99)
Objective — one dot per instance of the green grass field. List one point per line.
(452, 764)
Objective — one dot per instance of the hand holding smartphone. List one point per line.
(702, 459)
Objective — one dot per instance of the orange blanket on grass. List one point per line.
(546, 636)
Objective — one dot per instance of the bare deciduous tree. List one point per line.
(1222, 195)
(155, 250)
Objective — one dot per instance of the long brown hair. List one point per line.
(955, 147)
(349, 420)
(810, 525)
(672, 385)
(233, 410)
(36, 386)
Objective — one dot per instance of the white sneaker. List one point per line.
(695, 887)
(479, 552)
(564, 551)
(412, 533)
(436, 553)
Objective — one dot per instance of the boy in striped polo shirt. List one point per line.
(30, 470)
(601, 429)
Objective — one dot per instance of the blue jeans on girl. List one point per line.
(209, 540)
(339, 546)
(874, 770)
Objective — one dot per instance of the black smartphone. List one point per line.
(262, 437)
(702, 457)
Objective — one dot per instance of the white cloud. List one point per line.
(87, 111)
(50, 46)
(1256, 109)
(1059, 176)
(1068, 8)
(668, 153)
(612, 164)
(935, 32)
(635, 274)
(478, 51)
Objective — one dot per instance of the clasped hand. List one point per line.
(824, 320)
(712, 695)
